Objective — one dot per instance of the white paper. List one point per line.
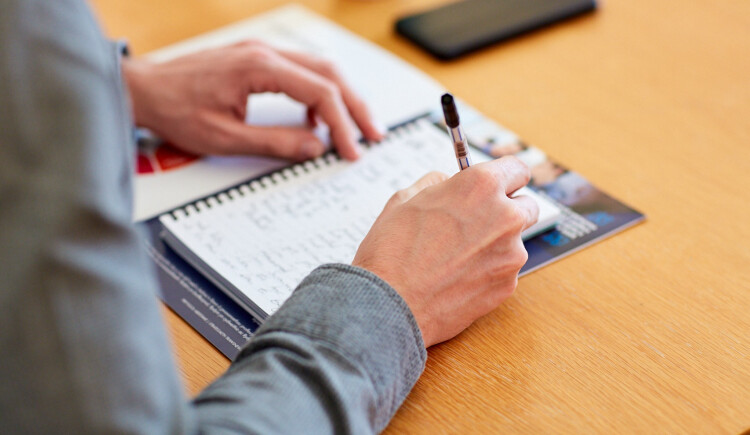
(394, 91)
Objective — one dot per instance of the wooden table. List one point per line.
(645, 332)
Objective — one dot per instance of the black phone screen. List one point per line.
(465, 26)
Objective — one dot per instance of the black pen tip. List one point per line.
(449, 110)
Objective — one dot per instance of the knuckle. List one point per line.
(430, 179)
(436, 176)
(399, 197)
(516, 255)
(484, 182)
(330, 90)
(517, 218)
(328, 68)
(525, 172)
(253, 43)
(512, 215)
(515, 167)
(329, 93)
(520, 257)
(261, 53)
(502, 290)
(511, 260)
(511, 160)
(391, 203)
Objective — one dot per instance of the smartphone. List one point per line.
(455, 29)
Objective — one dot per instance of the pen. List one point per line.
(456, 132)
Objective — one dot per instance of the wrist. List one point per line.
(136, 74)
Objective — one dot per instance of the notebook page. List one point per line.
(263, 238)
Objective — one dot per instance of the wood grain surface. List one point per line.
(646, 332)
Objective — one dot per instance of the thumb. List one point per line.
(295, 143)
(403, 195)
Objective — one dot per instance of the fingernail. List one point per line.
(381, 128)
(357, 150)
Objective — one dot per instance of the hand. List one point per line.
(452, 247)
(198, 102)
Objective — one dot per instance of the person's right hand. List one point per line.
(452, 247)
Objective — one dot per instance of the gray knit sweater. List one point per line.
(84, 348)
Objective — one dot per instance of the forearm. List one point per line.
(340, 356)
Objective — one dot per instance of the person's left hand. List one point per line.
(198, 102)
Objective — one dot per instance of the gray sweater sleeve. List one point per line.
(339, 356)
(84, 346)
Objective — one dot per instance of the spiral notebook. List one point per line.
(257, 241)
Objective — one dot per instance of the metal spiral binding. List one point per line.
(277, 177)
(245, 189)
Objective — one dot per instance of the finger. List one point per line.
(512, 173)
(528, 208)
(293, 143)
(357, 108)
(313, 90)
(408, 193)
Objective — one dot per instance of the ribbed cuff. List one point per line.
(365, 319)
